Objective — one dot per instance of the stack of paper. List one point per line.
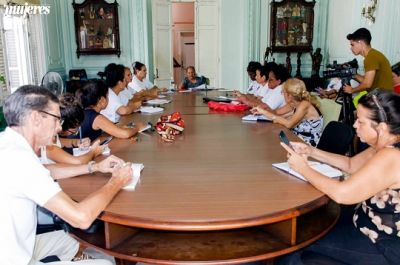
(252, 117)
(158, 101)
(136, 170)
(324, 169)
(150, 110)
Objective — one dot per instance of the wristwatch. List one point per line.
(90, 166)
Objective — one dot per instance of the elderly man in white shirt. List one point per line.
(33, 116)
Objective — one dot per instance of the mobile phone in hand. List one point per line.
(284, 139)
(107, 140)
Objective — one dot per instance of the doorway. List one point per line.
(181, 28)
(183, 39)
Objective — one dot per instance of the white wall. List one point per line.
(232, 43)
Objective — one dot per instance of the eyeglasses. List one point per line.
(53, 115)
(381, 111)
(75, 131)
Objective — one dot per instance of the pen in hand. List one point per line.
(80, 135)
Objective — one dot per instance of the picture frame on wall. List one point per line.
(292, 24)
(96, 28)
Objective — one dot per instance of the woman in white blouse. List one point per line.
(142, 87)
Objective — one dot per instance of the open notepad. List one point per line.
(321, 168)
(150, 110)
(136, 170)
(252, 117)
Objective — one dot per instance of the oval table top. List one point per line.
(217, 175)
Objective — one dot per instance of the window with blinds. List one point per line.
(22, 54)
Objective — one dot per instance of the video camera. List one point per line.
(344, 71)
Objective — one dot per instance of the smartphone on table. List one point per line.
(284, 139)
(107, 140)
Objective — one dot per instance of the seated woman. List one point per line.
(270, 78)
(191, 80)
(116, 81)
(61, 152)
(93, 98)
(127, 95)
(254, 86)
(370, 234)
(140, 85)
(304, 118)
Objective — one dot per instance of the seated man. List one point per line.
(33, 116)
(396, 77)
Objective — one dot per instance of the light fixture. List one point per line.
(368, 11)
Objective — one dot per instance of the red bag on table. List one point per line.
(228, 107)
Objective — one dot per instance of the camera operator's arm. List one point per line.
(365, 83)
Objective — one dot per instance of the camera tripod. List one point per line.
(347, 112)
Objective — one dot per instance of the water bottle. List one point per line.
(171, 84)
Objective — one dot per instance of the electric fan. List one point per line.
(53, 82)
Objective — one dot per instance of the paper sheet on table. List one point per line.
(320, 167)
(158, 101)
(136, 170)
(80, 151)
(252, 117)
(145, 128)
(150, 110)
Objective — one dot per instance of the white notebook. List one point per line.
(150, 110)
(252, 117)
(324, 169)
(136, 170)
(158, 101)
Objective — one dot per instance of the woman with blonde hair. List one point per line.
(301, 113)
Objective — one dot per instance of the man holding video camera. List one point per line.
(378, 73)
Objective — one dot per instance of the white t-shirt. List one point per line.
(274, 97)
(138, 85)
(25, 184)
(126, 95)
(114, 102)
(253, 87)
(261, 90)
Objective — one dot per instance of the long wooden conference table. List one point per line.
(210, 197)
